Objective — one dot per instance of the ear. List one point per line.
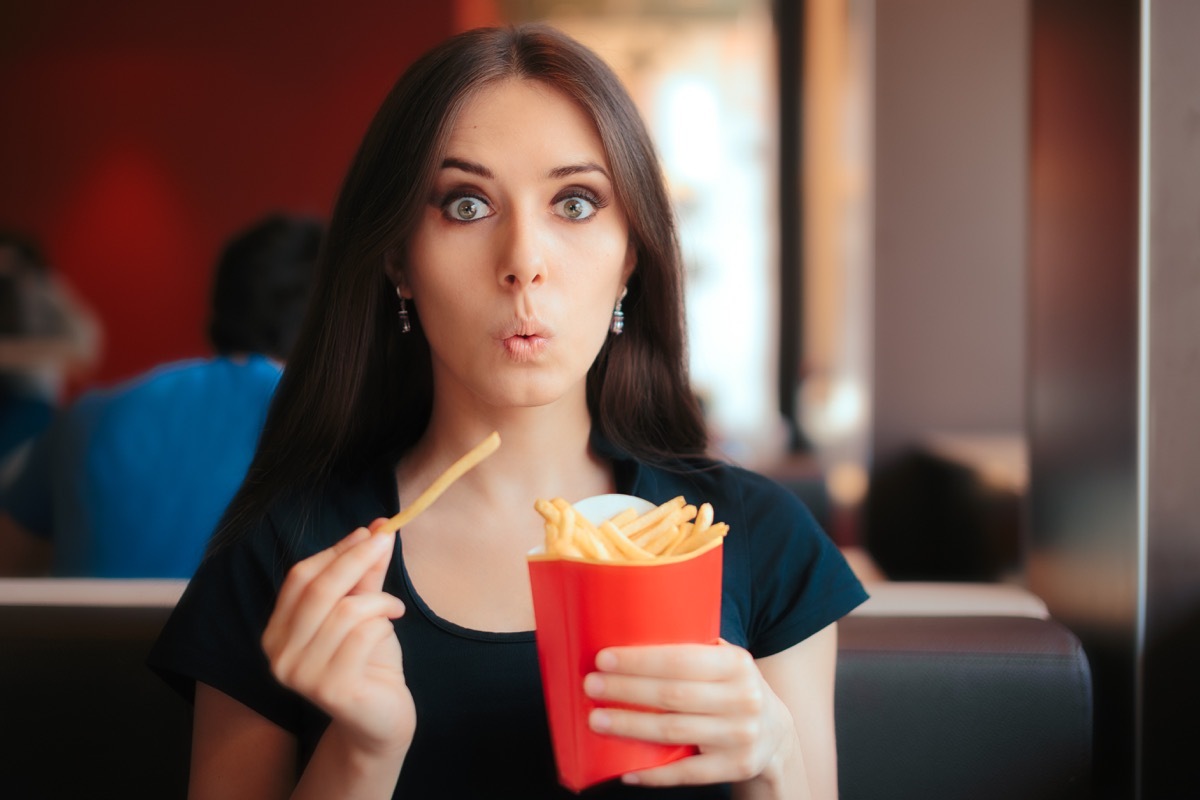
(393, 265)
(630, 261)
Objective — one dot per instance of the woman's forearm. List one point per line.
(784, 777)
(341, 770)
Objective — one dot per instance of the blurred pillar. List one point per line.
(789, 30)
(1114, 384)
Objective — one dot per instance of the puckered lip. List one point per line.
(525, 328)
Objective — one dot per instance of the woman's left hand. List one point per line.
(713, 696)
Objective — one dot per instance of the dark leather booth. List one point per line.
(943, 698)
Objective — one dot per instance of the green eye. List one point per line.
(458, 207)
(576, 208)
(467, 208)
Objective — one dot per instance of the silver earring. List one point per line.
(405, 323)
(617, 326)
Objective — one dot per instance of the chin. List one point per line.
(528, 394)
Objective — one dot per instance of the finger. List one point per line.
(337, 684)
(372, 580)
(702, 769)
(303, 665)
(298, 577)
(297, 620)
(305, 570)
(358, 651)
(693, 697)
(702, 730)
(697, 662)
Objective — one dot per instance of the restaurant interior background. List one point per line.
(918, 240)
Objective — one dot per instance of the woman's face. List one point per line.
(522, 250)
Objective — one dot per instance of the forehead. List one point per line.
(528, 118)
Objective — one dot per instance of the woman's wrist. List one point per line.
(371, 750)
(344, 766)
(783, 776)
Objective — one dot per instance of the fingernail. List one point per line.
(630, 778)
(600, 720)
(606, 660)
(593, 684)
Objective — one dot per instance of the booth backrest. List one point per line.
(951, 697)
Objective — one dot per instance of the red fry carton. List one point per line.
(581, 607)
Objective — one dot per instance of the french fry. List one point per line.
(716, 531)
(674, 528)
(455, 471)
(656, 537)
(621, 542)
(677, 537)
(651, 518)
(624, 518)
(703, 521)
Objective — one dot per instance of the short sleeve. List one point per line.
(799, 582)
(214, 634)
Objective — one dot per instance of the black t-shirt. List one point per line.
(481, 721)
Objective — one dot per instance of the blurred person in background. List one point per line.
(130, 481)
(46, 335)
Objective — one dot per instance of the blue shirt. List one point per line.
(482, 729)
(131, 481)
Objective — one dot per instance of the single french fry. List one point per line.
(551, 537)
(624, 518)
(566, 525)
(455, 471)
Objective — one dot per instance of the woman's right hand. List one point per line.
(330, 639)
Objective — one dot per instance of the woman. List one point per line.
(504, 214)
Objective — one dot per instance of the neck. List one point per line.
(543, 452)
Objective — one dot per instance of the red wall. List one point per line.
(135, 140)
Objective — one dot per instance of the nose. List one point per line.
(523, 258)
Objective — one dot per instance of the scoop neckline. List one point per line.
(443, 623)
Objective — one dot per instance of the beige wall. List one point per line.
(950, 110)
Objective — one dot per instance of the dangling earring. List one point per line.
(405, 323)
(617, 326)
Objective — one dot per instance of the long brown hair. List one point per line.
(356, 389)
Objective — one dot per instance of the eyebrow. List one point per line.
(473, 168)
(468, 166)
(577, 169)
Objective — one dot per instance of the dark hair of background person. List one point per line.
(22, 261)
(261, 287)
(927, 518)
(27, 251)
(355, 389)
